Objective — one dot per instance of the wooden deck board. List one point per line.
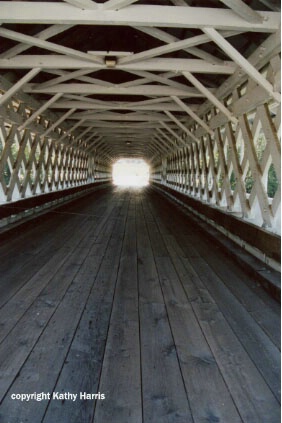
(250, 331)
(164, 394)
(119, 293)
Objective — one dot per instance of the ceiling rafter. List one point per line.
(181, 126)
(81, 78)
(243, 10)
(42, 35)
(161, 35)
(207, 93)
(57, 123)
(154, 65)
(151, 77)
(242, 62)
(69, 132)
(152, 125)
(137, 15)
(117, 4)
(191, 113)
(168, 48)
(47, 45)
(146, 90)
(83, 4)
(66, 77)
(122, 106)
(20, 84)
(39, 111)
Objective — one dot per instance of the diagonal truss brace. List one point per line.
(210, 96)
(242, 62)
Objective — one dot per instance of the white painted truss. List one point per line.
(216, 142)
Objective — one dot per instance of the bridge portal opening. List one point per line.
(131, 172)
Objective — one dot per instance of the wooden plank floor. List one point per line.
(120, 294)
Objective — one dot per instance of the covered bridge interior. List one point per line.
(162, 300)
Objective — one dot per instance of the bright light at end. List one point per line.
(131, 172)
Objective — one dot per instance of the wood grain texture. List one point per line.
(133, 301)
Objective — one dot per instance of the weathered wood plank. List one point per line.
(256, 301)
(41, 369)
(251, 332)
(136, 303)
(120, 378)
(164, 394)
(83, 364)
(35, 248)
(208, 401)
(258, 403)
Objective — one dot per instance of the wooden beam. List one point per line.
(87, 105)
(243, 10)
(47, 45)
(141, 15)
(117, 4)
(129, 126)
(18, 85)
(152, 117)
(79, 137)
(157, 78)
(91, 80)
(198, 40)
(83, 4)
(193, 115)
(164, 139)
(148, 90)
(173, 133)
(242, 62)
(179, 2)
(271, 4)
(186, 130)
(71, 130)
(168, 48)
(42, 35)
(55, 124)
(64, 78)
(191, 78)
(40, 111)
(154, 65)
(163, 147)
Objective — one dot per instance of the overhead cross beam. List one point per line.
(47, 45)
(194, 41)
(181, 126)
(193, 115)
(117, 4)
(154, 65)
(141, 15)
(191, 78)
(40, 111)
(42, 35)
(14, 88)
(85, 104)
(57, 123)
(79, 75)
(147, 90)
(83, 4)
(158, 51)
(66, 77)
(243, 10)
(242, 62)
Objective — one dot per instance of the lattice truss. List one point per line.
(233, 164)
(197, 96)
(36, 160)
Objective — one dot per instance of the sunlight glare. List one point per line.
(131, 172)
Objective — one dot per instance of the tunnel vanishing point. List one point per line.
(154, 304)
